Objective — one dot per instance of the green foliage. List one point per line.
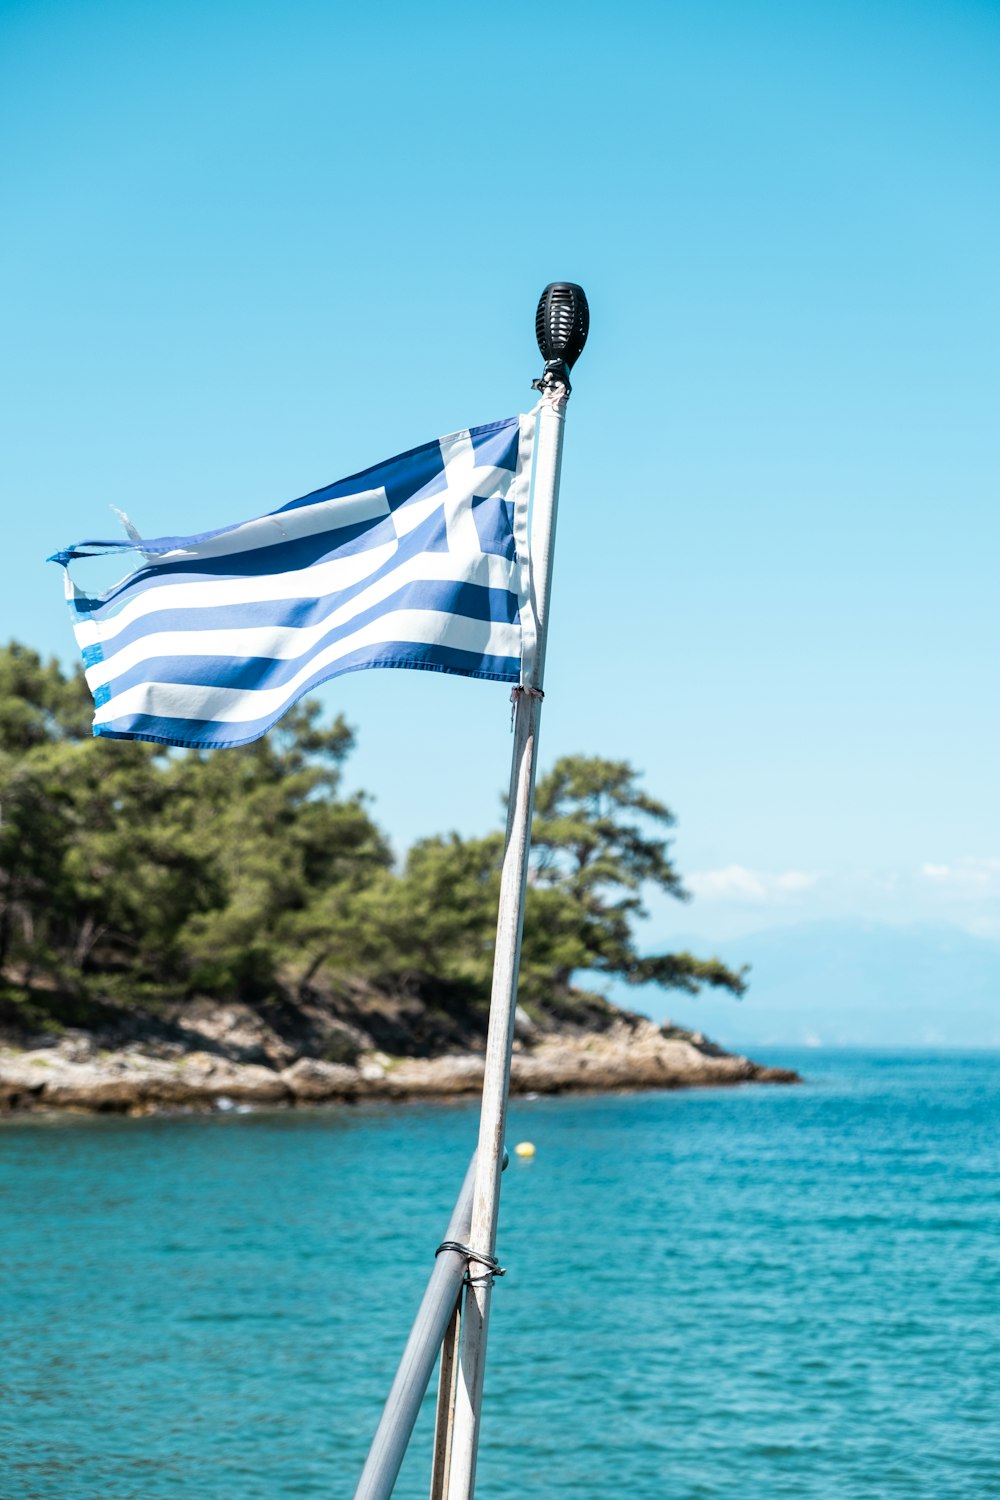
(182, 870)
(428, 931)
(597, 840)
(130, 870)
(38, 703)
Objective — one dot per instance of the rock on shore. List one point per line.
(631, 1053)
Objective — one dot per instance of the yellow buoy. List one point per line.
(524, 1148)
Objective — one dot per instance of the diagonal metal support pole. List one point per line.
(413, 1375)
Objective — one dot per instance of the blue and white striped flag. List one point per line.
(418, 562)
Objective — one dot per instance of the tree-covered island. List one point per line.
(178, 926)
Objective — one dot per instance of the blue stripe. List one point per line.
(284, 613)
(253, 673)
(429, 536)
(257, 562)
(212, 734)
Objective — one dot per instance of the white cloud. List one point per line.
(795, 880)
(961, 891)
(737, 883)
(972, 872)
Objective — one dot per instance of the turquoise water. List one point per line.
(757, 1292)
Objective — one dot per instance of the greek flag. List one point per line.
(419, 562)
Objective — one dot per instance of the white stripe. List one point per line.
(287, 642)
(288, 526)
(408, 516)
(300, 583)
(464, 480)
(171, 700)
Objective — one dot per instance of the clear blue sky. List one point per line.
(250, 248)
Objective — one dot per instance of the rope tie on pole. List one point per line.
(554, 399)
(520, 692)
(493, 1266)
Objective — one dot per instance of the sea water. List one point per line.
(750, 1292)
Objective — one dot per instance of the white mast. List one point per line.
(561, 326)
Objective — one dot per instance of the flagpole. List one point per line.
(561, 325)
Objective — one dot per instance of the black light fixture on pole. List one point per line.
(562, 323)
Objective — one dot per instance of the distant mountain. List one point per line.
(847, 984)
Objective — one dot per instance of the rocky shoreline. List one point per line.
(75, 1073)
